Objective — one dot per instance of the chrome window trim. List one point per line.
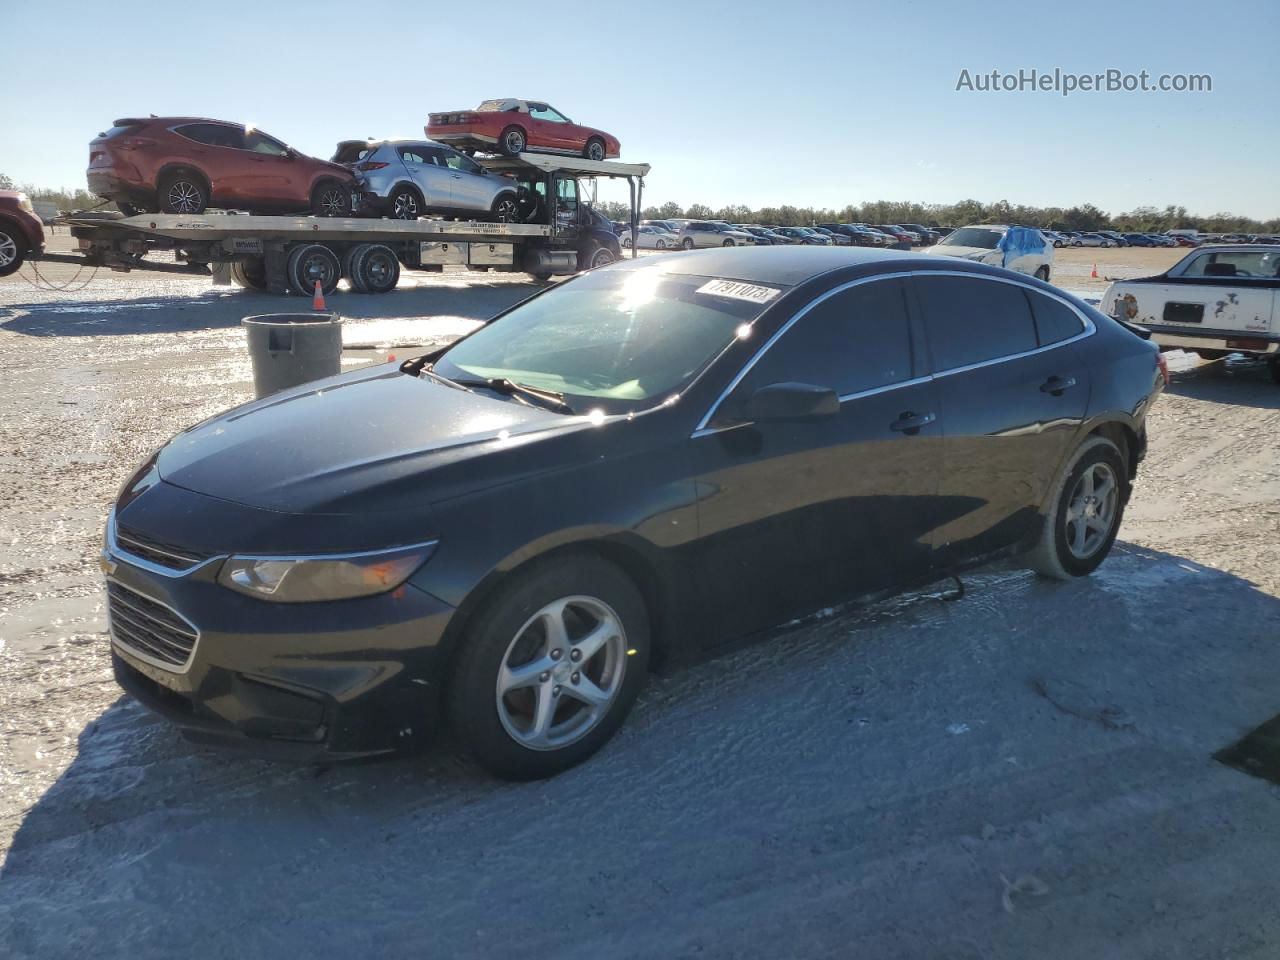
(702, 430)
(138, 654)
(116, 552)
(1089, 328)
(360, 555)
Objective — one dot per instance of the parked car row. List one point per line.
(689, 234)
(188, 164)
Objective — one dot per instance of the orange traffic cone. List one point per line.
(317, 299)
(1094, 274)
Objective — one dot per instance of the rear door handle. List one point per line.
(910, 423)
(1056, 385)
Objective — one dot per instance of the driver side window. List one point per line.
(540, 111)
(855, 340)
(458, 161)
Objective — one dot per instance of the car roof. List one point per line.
(794, 265)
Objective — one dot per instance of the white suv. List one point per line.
(1023, 249)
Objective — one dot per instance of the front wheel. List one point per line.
(1084, 513)
(687, 243)
(1042, 273)
(506, 208)
(599, 257)
(13, 250)
(594, 149)
(405, 203)
(549, 667)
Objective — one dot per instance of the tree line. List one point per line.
(1083, 217)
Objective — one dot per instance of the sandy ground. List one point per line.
(1024, 773)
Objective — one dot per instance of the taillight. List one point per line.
(1163, 364)
(368, 165)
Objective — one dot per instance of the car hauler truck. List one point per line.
(557, 231)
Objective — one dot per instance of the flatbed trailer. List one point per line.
(290, 254)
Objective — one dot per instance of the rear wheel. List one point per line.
(1084, 513)
(513, 141)
(349, 267)
(660, 244)
(549, 667)
(250, 274)
(13, 249)
(377, 267)
(594, 149)
(406, 203)
(182, 192)
(331, 199)
(309, 262)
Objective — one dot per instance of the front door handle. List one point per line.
(1056, 385)
(910, 423)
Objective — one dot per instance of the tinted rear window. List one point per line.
(353, 152)
(213, 134)
(972, 320)
(1055, 321)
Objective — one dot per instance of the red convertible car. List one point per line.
(514, 126)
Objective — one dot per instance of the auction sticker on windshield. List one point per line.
(738, 291)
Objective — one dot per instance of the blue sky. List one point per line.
(762, 103)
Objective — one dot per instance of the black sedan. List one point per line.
(629, 469)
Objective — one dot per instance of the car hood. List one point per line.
(954, 251)
(361, 442)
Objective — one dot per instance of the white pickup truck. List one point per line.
(1214, 301)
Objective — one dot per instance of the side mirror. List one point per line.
(791, 401)
(291, 153)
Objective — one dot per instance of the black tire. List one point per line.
(660, 244)
(513, 141)
(594, 257)
(129, 209)
(405, 202)
(331, 199)
(472, 697)
(727, 243)
(687, 243)
(506, 208)
(540, 275)
(349, 267)
(250, 274)
(1042, 273)
(309, 262)
(13, 248)
(1273, 367)
(594, 150)
(1052, 556)
(377, 268)
(182, 191)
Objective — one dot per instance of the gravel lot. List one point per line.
(1025, 773)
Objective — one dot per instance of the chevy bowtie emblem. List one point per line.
(107, 563)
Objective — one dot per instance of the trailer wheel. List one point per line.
(513, 141)
(349, 267)
(182, 192)
(331, 199)
(309, 262)
(13, 249)
(250, 274)
(377, 267)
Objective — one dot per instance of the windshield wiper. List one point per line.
(429, 370)
(545, 398)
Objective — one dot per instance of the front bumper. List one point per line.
(311, 682)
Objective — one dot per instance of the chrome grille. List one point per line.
(149, 629)
(155, 551)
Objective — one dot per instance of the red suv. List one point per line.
(21, 232)
(185, 164)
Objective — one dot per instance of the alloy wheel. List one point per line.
(1091, 511)
(505, 210)
(404, 206)
(515, 142)
(595, 150)
(561, 673)
(332, 202)
(184, 196)
(8, 250)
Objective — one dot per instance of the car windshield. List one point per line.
(614, 340)
(973, 237)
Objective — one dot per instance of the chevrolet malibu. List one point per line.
(628, 470)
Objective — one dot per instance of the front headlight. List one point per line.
(323, 577)
(24, 203)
